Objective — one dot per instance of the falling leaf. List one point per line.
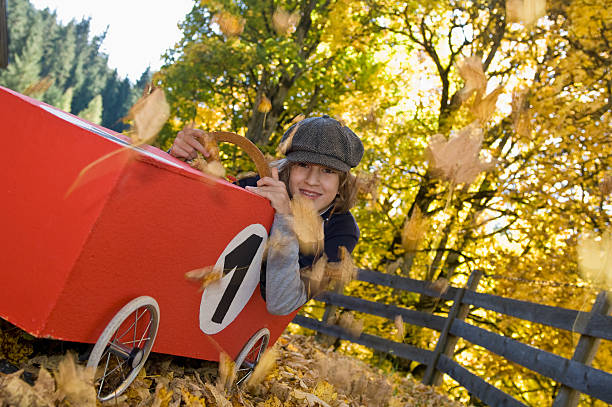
(520, 113)
(414, 229)
(209, 143)
(227, 372)
(440, 285)
(229, 24)
(213, 168)
(39, 88)
(606, 185)
(307, 225)
(264, 104)
(149, 114)
(525, 11)
(595, 258)
(263, 367)
(284, 22)
(401, 330)
(205, 275)
(367, 185)
(392, 268)
(285, 145)
(457, 159)
(310, 398)
(350, 324)
(471, 71)
(75, 383)
(484, 108)
(315, 278)
(220, 399)
(342, 272)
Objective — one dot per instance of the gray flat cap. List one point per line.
(324, 141)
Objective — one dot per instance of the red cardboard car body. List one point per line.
(78, 245)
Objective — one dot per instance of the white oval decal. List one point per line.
(223, 300)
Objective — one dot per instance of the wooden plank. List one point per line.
(584, 353)
(562, 318)
(383, 310)
(446, 343)
(403, 283)
(486, 392)
(585, 379)
(600, 326)
(402, 350)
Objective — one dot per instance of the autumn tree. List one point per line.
(519, 220)
(485, 122)
(254, 66)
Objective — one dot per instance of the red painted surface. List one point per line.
(132, 225)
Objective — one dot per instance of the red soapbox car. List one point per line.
(100, 256)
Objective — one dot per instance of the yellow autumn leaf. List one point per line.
(284, 22)
(264, 105)
(205, 275)
(400, 328)
(227, 372)
(484, 108)
(229, 24)
(307, 225)
(149, 114)
(284, 146)
(350, 324)
(471, 71)
(341, 272)
(595, 258)
(75, 382)
(457, 159)
(315, 278)
(414, 228)
(263, 367)
(525, 11)
(606, 185)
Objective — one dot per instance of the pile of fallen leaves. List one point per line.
(298, 372)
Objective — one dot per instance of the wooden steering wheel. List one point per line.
(263, 169)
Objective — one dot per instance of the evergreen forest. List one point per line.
(62, 65)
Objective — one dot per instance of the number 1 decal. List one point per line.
(241, 263)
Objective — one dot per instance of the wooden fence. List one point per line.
(574, 375)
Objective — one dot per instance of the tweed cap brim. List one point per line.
(317, 158)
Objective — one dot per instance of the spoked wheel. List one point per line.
(123, 347)
(249, 355)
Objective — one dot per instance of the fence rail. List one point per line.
(574, 375)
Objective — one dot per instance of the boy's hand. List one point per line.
(186, 144)
(275, 190)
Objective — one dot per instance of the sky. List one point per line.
(139, 31)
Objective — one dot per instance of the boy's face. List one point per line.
(315, 182)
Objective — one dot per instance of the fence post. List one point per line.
(446, 342)
(584, 352)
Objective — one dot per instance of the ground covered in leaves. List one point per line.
(297, 372)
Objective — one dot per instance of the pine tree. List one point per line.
(24, 69)
(93, 111)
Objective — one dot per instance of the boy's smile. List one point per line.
(315, 182)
